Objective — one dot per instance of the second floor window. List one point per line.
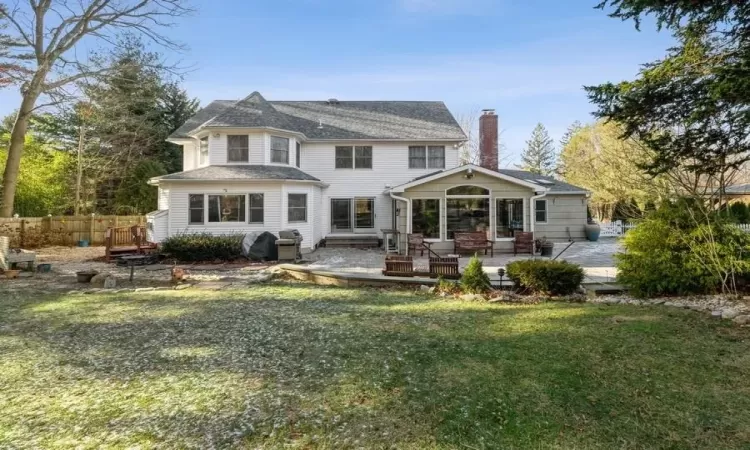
(357, 157)
(238, 148)
(431, 157)
(203, 156)
(298, 156)
(279, 150)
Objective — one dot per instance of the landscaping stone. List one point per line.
(472, 297)
(716, 313)
(99, 278)
(729, 313)
(181, 287)
(110, 282)
(144, 289)
(424, 288)
(742, 320)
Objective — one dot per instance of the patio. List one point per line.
(596, 258)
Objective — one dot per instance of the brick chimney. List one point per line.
(488, 157)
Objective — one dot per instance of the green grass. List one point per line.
(282, 366)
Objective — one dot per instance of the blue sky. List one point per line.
(526, 59)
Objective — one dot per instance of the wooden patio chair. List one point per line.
(524, 242)
(399, 266)
(416, 242)
(446, 267)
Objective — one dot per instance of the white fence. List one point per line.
(619, 228)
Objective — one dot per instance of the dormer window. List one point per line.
(238, 149)
(279, 150)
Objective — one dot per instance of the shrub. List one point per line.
(203, 247)
(474, 280)
(545, 276)
(679, 250)
(739, 212)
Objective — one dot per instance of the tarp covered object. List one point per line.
(260, 246)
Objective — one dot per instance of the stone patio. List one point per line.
(596, 258)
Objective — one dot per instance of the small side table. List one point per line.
(135, 260)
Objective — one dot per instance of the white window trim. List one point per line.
(354, 157)
(247, 207)
(288, 150)
(441, 213)
(226, 147)
(426, 157)
(546, 211)
(494, 217)
(307, 206)
(488, 196)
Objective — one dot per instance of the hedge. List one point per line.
(203, 247)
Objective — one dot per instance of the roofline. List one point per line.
(156, 180)
(568, 192)
(225, 128)
(390, 140)
(479, 169)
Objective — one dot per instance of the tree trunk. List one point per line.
(79, 172)
(17, 141)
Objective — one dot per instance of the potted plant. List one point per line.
(545, 247)
(592, 230)
(85, 276)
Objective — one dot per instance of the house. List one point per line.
(344, 171)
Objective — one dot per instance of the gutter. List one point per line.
(401, 199)
(156, 181)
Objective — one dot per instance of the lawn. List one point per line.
(293, 366)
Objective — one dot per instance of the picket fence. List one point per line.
(619, 228)
(32, 232)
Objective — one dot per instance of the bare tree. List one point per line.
(48, 33)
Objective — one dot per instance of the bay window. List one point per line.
(238, 148)
(297, 208)
(196, 207)
(203, 152)
(226, 208)
(425, 217)
(279, 150)
(255, 207)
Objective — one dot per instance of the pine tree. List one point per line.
(539, 154)
(572, 130)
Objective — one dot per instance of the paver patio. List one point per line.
(596, 258)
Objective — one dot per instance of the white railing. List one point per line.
(619, 228)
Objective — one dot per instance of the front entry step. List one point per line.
(368, 241)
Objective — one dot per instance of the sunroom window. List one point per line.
(226, 208)
(508, 217)
(425, 217)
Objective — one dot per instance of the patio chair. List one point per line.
(524, 242)
(416, 242)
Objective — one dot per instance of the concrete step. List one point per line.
(352, 241)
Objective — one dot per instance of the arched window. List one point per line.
(467, 190)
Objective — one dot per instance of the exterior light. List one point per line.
(501, 274)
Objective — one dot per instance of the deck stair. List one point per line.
(353, 241)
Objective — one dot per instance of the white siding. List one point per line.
(179, 207)
(156, 231)
(258, 144)
(189, 156)
(307, 228)
(217, 149)
(318, 226)
(257, 148)
(163, 202)
(390, 167)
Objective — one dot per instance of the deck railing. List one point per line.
(620, 228)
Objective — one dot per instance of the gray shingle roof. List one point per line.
(213, 109)
(551, 183)
(240, 172)
(418, 120)
(738, 189)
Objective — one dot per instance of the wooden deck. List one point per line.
(124, 241)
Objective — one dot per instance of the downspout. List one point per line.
(406, 202)
(532, 209)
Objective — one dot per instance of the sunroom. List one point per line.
(471, 198)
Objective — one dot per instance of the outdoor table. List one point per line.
(135, 260)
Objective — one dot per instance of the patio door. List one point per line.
(341, 215)
(352, 215)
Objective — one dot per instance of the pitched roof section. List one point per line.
(205, 114)
(553, 184)
(377, 120)
(240, 173)
(528, 179)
